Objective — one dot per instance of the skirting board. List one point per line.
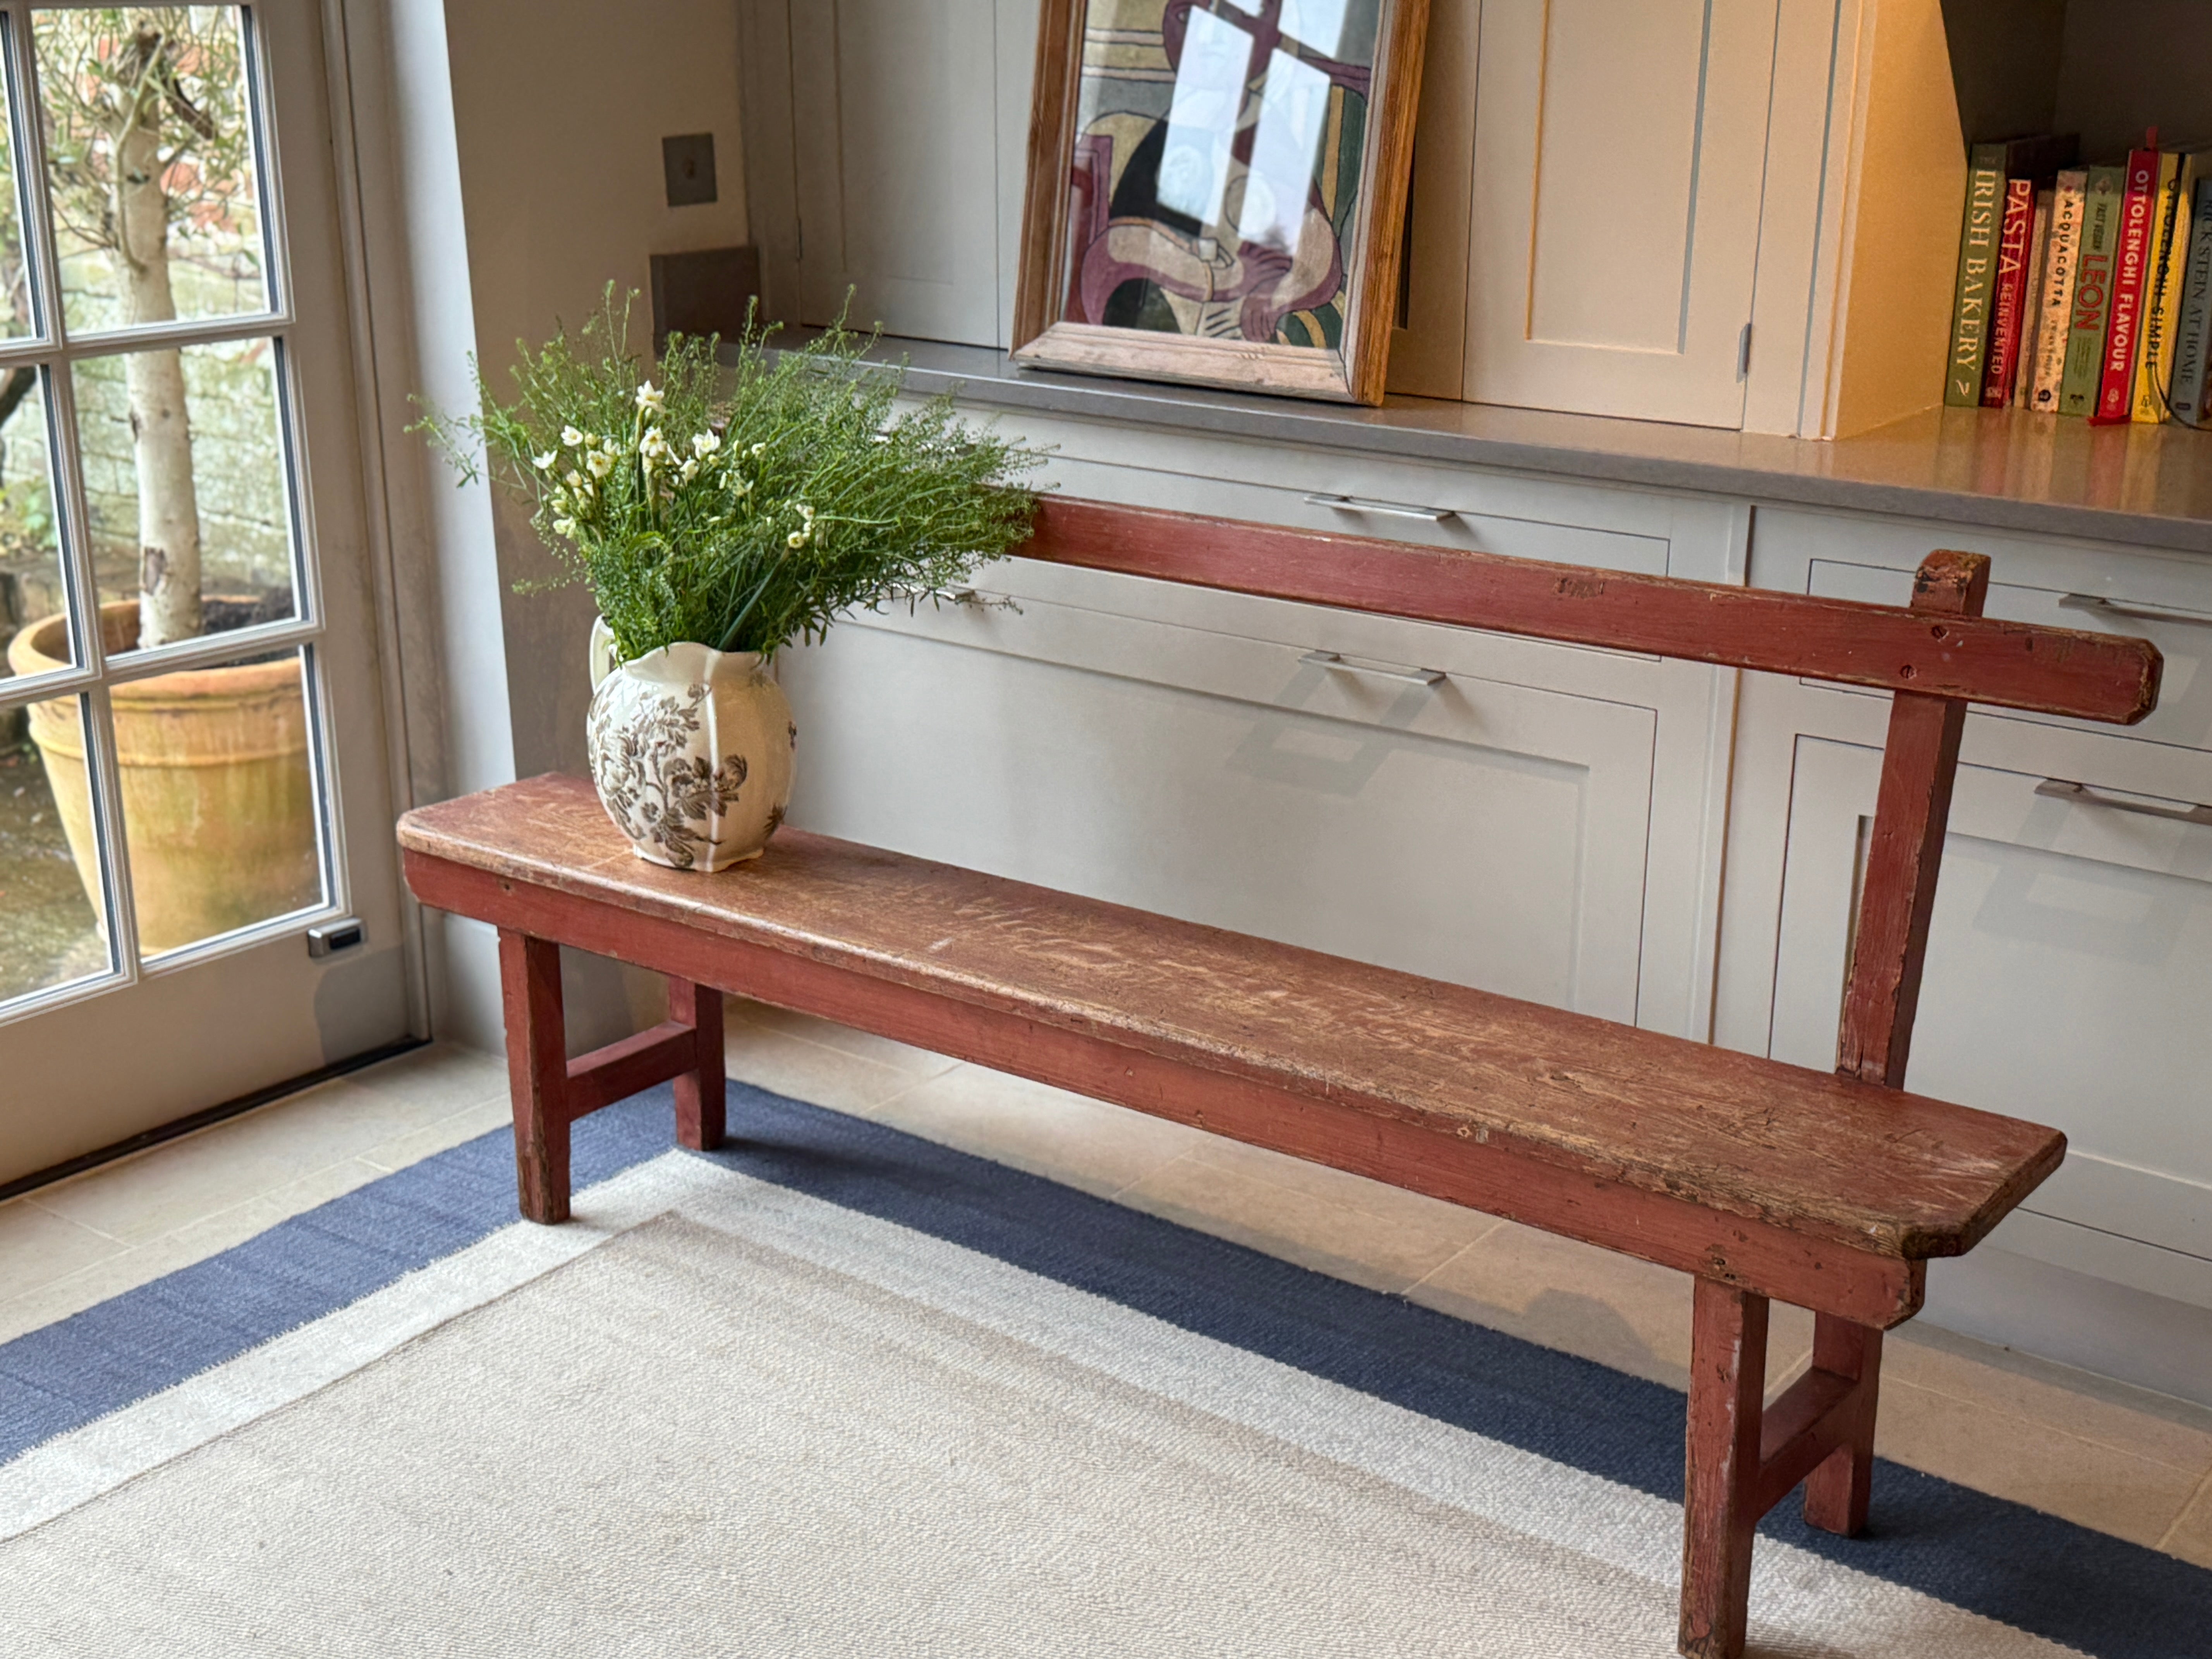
(2092, 1324)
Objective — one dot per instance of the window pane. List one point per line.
(33, 630)
(185, 484)
(16, 319)
(150, 164)
(51, 930)
(218, 812)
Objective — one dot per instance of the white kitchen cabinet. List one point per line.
(894, 133)
(1619, 154)
(2072, 939)
(1181, 751)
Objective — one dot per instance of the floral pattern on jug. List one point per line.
(691, 749)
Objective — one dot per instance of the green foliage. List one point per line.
(742, 517)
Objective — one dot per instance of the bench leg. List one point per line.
(1836, 1492)
(1721, 1467)
(700, 1095)
(537, 1072)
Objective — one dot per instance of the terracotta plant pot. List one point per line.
(218, 805)
(691, 749)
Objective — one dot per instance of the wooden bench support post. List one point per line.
(537, 1072)
(550, 1093)
(1836, 1492)
(700, 1092)
(1740, 1459)
(1721, 1465)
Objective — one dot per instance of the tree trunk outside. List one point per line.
(161, 427)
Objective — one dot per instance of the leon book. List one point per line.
(2092, 290)
(2116, 387)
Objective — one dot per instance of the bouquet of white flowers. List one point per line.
(745, 513)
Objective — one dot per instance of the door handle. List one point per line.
(1381, 671)
(2098, 606)
(1389, 510)
(2083, 795)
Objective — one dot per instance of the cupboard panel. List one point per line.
(2066, 965)
(903, 115)
(1619, 162)
(1484, 833)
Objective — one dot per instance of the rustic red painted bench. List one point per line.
(1829, 1191)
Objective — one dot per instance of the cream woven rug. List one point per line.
(720, 1416)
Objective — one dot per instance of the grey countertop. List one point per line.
(1999, 470)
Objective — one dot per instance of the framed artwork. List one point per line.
(1217, 191)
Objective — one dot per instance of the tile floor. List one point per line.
(2098, 1453)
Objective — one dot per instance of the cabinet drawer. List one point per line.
(1478, 830)
(1523, 517)
(2065, 980)
(2184, 714)
(1429, 517)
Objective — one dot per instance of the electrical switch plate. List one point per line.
(690, 163)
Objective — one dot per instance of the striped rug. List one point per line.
(835, 1390)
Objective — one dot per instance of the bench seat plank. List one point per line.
(1829, 1158)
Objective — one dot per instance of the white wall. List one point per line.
(510, 166)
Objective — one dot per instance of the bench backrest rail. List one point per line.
(1933, 657)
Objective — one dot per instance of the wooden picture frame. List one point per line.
(1124, 270)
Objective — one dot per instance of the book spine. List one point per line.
(2116, 388)
(2008, 296)
(1977, 250)
(2062, 250)
(2031, 302)
(2093, 291)
(2154, 355)
(2192, 330)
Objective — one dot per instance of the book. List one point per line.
(2162, 304)
(2061, 251)
(2116, 386)
(2192, 328)
(2031, 315)
(2008, 292)
(1977, 257)
(2102, 195)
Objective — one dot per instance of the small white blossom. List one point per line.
(544, 463)
(796, 539)
(652, 445)
(575, 480)
(649, 399)
(705, 444)
(757, 451)
(600, 463)
(565, 527)
(571, 437)
(807, 513)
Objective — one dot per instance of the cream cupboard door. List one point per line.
(908, 124)
(1477, 828)
(2067, 963)
(1619, 156)
(226, 790)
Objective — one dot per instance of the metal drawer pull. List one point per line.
(2104, 607)
(1412, 676)
(1392, 509)
(2083, 795)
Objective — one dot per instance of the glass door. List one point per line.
(193, 787)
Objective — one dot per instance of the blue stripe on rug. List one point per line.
(2066, 1582)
